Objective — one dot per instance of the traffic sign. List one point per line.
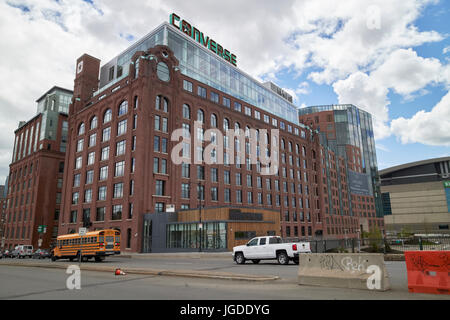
(82, 231)
(42, 229)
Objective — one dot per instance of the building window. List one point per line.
(160, 184)
(226, 102)
(107, 116)
(159, 207)
(92, 140)
(91, 158)
(118, 190)
(120, 148)
(185, 190)
(185, 170)
(100, 214)
(80, 145)
(187, 85)
(78, 162)
(106, 134)
(122, 127)
(88, 196)
(120, 169)
(130, 211)
(214, 194)
(81, 129)
(76, 180)
(117, 212)
(227, 195)
(102, 193)
(237, 106)
(186, 111)
(123, 108)
(201, 92)
(156, 144)
(105, 154)
(75, 197)
(73, 216)
(213, 121)
(89, 177)
(128, 238)
(103, 173)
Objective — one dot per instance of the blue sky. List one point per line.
(388, 57)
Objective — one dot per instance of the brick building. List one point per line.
(353, 188)
(119, 166)
(36, 171)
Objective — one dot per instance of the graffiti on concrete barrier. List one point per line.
(353, 265)
(328, 262)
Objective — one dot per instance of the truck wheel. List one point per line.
(240, 258)
(282, 258)
(296, 261)
(256, 261)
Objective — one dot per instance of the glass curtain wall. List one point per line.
(187, 236)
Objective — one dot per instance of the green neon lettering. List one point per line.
(196, 34)
(203, 42)
(227, 55)
(213, 46)
(186, 27)
(173, 18)
(220, 50)
(233, 60)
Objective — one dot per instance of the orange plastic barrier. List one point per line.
(428, 271)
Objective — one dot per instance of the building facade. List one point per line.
(416, 197)
(347, 131)
(120, 165)
(36, 171)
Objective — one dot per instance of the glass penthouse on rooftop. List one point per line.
(199, 63)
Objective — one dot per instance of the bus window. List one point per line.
(101, 239)
(117, 239)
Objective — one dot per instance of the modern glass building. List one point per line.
(351, 126)
(198, 63)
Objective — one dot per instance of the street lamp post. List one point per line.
(200, 193)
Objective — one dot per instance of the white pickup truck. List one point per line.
(270, 248)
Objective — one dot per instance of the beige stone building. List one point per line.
(416, 197)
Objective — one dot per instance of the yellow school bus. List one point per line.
(96, 244)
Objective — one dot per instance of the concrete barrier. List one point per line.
(344, 270)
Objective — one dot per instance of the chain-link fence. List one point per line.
(386, 245)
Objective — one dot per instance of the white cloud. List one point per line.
(361, 90)
(446, 50)
(430, 128)
(40, 46)
(406, 72)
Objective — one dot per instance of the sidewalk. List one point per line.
(191, 255)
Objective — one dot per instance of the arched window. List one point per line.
(213, 121)
(283, 144)
(94, 122)
(136, 102)
(267, 138)
(226, 124)
(123, 108)
(81, 129)
(158, 103)
(304, 151)
(165, 105)
(107, 116)
(237, 126)
(290, 146)
(186, 111)
(200, 116)
(247, 132)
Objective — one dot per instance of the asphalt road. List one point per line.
(42, 283)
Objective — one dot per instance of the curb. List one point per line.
(155, 272)
(175, 256)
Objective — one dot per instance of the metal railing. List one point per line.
(380, 245)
